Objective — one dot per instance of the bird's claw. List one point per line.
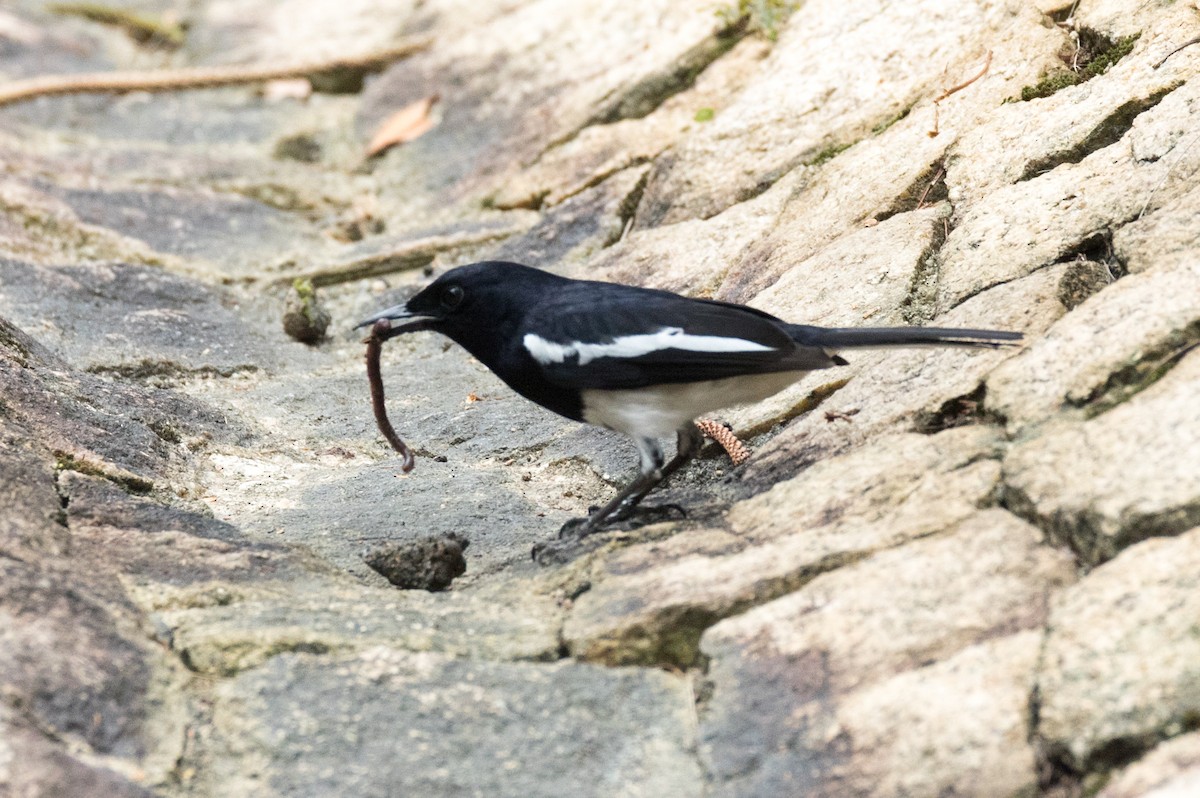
(578, 528)
(574, 529)
(649, 515)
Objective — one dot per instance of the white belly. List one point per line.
(659, 411)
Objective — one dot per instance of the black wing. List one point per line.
(584, 322)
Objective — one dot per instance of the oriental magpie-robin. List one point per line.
(636, 360)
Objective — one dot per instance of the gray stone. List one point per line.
(1026, 225)
(815, 690)
(652, 602)
(31, 765)
(1161, 237)
(536, 730)
(928, 731)
(1100, 354)
(197, 225)
(803, 101)
(126, 433)
(225, 628)
(530, 78)
(139, 321)
(1019, 141)
(1170, 770)
(187, 495)
(1123, 476)
(904, 607)
(331, 483)
(599, 151)
(899, 390)
(1109, 684)
(580, 226)
(235, 31)
(690, 257)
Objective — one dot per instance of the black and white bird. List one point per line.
(636, 360)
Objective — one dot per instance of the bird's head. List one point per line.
(467, 302)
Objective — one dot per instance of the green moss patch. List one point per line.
(1094, 55)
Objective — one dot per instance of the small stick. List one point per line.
(374, 343)
(940, 174)
(987, 64)
(1188, 43)
(738, 452)
(198, 77)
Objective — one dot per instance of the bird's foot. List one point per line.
(558, 552)
(574, 529)
(625, 518)
(640, 515)
(573, 536)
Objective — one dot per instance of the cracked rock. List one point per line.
(540, 730)
(1126, 475)
(1109, 687)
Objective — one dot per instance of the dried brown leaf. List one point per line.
(409, 123)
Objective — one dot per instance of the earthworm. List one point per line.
(374, 343)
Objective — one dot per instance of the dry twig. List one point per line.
(940, 174)
(987, 64)
(1186, 44)
(198, 77)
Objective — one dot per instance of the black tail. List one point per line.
(862, 337)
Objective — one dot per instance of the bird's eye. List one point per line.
(451, 296)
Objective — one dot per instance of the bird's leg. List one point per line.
(653, 473)
(689, 440)
(616, 509)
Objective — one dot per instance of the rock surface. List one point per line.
(941, 573)
(1106, 688)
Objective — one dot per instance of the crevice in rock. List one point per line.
(828, 153)
(150, 369)
(406, 255)
(644, 97)
(1095, 247)
(1098, 247)
(62, 516)
(538, 201)
(959, 411)
(657, 209)
(670, 639)
(1073, 532)
(920, 303)
(928, 188)
(764, 430)
(191, 765)
(1061, 14)
(1127, 382)
(125, 480)
(627, 210)
(263, 654)
(1056, 777)
(764, 184)
(1087, 532)
(1108, 131)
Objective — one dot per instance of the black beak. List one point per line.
(399, 320)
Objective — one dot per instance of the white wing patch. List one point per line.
(630, 346)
